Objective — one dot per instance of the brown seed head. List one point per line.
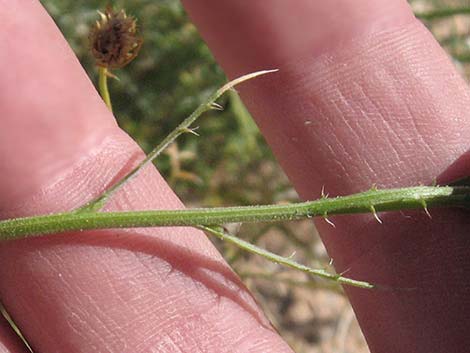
(114, 40)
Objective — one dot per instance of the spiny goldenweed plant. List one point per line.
(114, 43)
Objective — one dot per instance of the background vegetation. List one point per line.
(231, 164)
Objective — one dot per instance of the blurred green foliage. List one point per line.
(172, 74)
(449, 21)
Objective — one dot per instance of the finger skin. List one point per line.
(9, 340)
(159, 290)
(364, 96)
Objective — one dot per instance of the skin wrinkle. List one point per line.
(178, 298)
(71, 321)
(198, 343)
(394, 147)
(178, 255)
(50, 319)
(351, 131)
(328, 93)
(423, 74)
(103, 318)
(301, 131)
(146, 342)
(418, 132)
(366, 101)
(341, 169)
(260, 345)
(178, 339)
(53, 269)
(201, 341)
(378, 116)
(345, 169)
(248, 339)
(167, 345)
(321, 148)
(76, 180)
(411, 117)
(99, 315)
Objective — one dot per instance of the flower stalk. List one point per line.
(103, 86)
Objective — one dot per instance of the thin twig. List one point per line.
(185, 127)
(285, 261)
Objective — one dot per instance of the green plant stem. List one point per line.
(442, 13)
(285, 260)
(422, 197)
(232, 257)
(185, 127)
(103, 86)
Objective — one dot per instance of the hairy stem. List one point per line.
(185, 127)
(244, 245)
(422, 197)
(103, 86)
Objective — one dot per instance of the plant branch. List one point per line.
(185, 127)
(244, 245)
(421, 197)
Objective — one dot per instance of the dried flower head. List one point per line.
(114, 40)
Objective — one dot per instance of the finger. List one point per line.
(364, 96)
(159, 290)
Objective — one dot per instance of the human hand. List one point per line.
(371, 82)
(158, 290)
